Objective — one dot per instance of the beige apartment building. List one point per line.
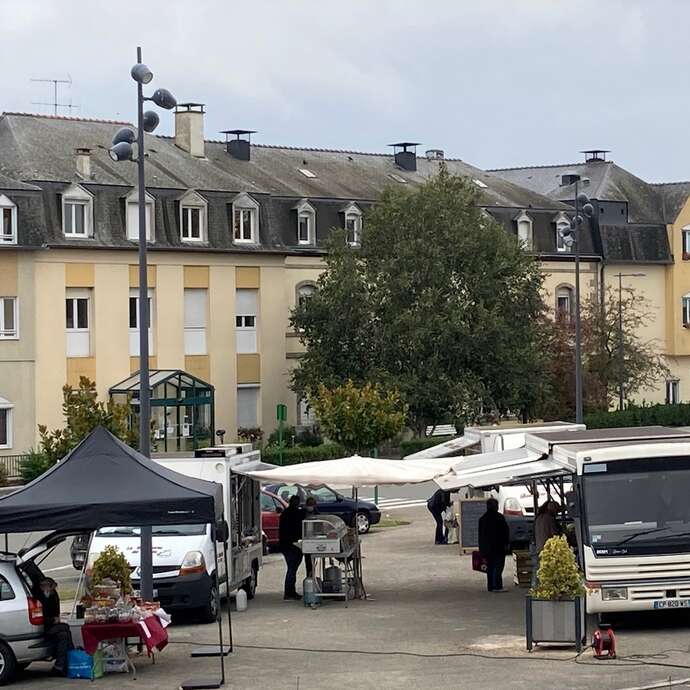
(236, 236)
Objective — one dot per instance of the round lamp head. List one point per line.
(164, 99)
(124, 134)
(588, 210)
(582, 199)
(151, 120)
(141, 73)
(121, 151)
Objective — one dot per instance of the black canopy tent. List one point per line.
(103, 482)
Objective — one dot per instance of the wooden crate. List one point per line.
(522, 568)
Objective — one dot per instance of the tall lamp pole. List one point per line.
(621, 352)
(122, 150)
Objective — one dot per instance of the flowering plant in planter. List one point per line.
(558, 575)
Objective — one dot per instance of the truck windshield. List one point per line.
(157, 530)
(635, 508)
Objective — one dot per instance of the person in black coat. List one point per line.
(438, 502)
(494, 541)
(289, 532)
(58, 634)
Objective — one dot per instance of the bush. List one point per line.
(33, 465)
(299, 454)
(3, 475)
(250, 434)
(308, 438)
(558, 575)
(416, 444)
(112, 564)
(292, 438)
(641, 415)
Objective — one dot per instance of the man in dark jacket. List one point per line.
(58, 634)
(436, 505)
(494, 540)
(289, 532)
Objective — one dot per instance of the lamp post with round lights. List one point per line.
(122, 150)
(571, 236)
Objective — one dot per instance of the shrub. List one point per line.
(250, 434)
(558, 575)
(33, 465)
(416, 444)
(112, 564)
(3, 475)
(289, 433)
(641, 415)
(299, 454)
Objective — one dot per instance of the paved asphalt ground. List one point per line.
(428, 623)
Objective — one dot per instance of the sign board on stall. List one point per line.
(470, 511)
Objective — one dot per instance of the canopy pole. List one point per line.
(227, 594)
(220, 606)
(82, 575)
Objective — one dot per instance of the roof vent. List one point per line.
(592, 155)
(239, 146)
(569, 177)
(404, 158)
(435, 155)
(83, 156)
(189, 128)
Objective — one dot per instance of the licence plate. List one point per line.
(672, 604)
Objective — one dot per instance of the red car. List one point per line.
(271, 508)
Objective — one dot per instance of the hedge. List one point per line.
(646, 415)
(417, 444)
(298, 454)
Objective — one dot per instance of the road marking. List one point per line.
(62, 567)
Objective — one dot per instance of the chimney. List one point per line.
(189, 128)
(83, 156)
(595, 155)
(239, 146)
(435, 155)
(404, 158)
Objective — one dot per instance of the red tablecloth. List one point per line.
(93, 633)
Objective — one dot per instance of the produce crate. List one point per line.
(522, 568)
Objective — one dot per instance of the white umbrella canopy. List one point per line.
(355, 471)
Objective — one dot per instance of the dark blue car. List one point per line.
(330, 502)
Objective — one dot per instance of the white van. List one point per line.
(185, 576)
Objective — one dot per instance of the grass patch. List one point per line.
(389, 522)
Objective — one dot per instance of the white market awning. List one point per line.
(355, 471)
(455, 445)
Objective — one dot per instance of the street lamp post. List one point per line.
(621, 353)
(121, 150)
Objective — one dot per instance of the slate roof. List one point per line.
(674, 195)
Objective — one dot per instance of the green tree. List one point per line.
(558, 575)
(439, 303)
(358, 417)
(83, 412)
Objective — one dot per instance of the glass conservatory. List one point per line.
(182, 409)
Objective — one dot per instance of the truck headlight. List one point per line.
(193, 562)
(614, 593)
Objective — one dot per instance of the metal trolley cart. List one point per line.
(327, 538)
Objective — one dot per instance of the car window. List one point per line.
(287, 490)
(267, 503)
(323, 493)
(6, 591)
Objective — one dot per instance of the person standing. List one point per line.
(494, 540)
(290, 532)
(438, 502)
(58, 634)
(545, 525)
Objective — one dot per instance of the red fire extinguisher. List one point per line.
(604, 642)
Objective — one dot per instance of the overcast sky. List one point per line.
(497, 83)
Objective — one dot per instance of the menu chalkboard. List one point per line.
(470, 512)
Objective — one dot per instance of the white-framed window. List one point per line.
(564, 303)
(6, 408)
(304, 292)
(245, 220)
(524, 230)
(686, 243)
(195, 320)
(672, 391)
(9, 318)
(193, 209)
(686, 311)
(77, 212)
(248, 398)
(246, 310)
(562, 225)
(353, 225)
(306, 223)
(8, 221)
(134, 348)
(77, 322)
(132, 206)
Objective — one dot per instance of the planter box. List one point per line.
(558, 622)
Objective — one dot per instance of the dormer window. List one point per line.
(353, 224)
(132, 204)
(245, 220)
(77, 212)
(193, 218)
(524, 230)
(562, 226)
(8, 221)
(306, 223)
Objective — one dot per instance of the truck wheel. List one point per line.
(251, 583)
(209, 611)
(8, 664)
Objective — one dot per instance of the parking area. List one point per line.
(428, 623)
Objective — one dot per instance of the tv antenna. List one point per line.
(55, 103)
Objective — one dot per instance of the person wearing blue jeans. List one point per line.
(494, 541)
